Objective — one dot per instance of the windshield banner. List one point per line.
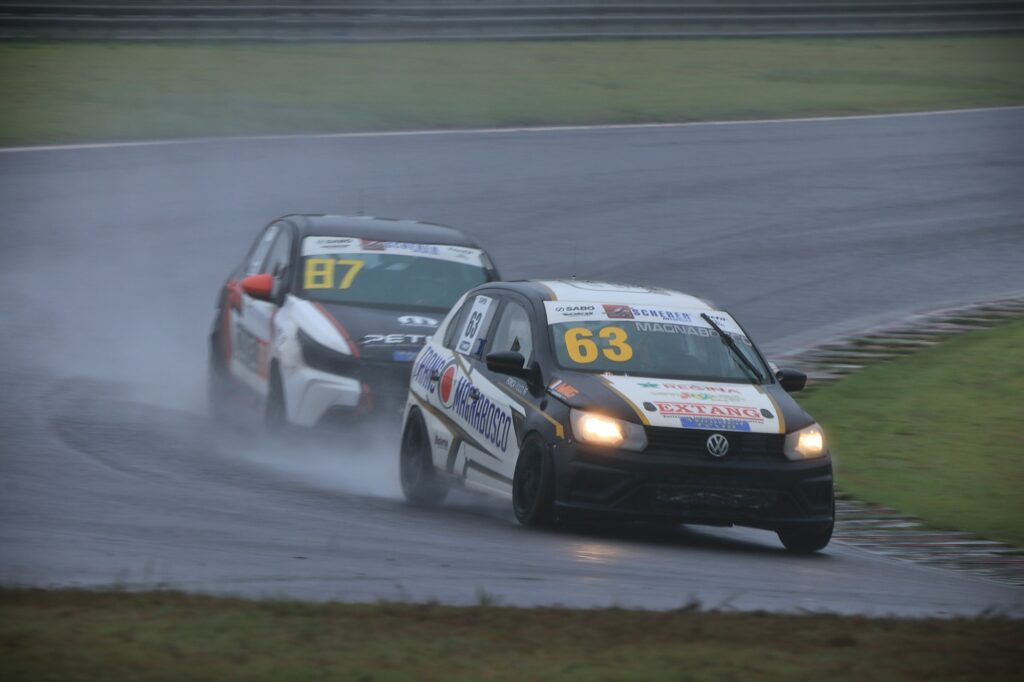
(322, 246)
(560, 312)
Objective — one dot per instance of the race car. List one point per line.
(602, 401)
(322, 319)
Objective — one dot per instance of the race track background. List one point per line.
(111, 257)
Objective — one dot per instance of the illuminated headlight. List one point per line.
(807, 443)
(597, 429)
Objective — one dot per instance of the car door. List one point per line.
(253, 328)
(469, 430)
(514, 330)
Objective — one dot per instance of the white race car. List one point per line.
(322, 319)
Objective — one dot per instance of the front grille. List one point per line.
(693, 443)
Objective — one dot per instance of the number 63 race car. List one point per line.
(575, 398)
(322, 318)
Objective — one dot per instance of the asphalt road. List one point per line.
(110, 259)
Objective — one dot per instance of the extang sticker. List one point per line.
(707, 406)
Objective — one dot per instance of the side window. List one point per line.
(514, 332)
(472, 325)
(280, 254)
(259, 251)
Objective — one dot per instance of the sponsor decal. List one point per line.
(750, 414)
(481, 414)
(675, 386)
(446, 385)
(714, 424)
(393, 339)
(648, 384)
(767, 414)
(516, 385)
(373, 245)
(429, 362)
(563, 389)
(573, 311)
(442, 442)
(660, 314)
(417, 321)
(710, 397)
(403, 355)
(617, 312)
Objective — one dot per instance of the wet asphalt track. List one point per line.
(110, 260)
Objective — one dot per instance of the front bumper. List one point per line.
(318, 398)
(692, 488)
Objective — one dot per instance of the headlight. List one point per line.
(597, 429)
(318, 356)
(807, 443)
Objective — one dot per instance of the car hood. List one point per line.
(683, 403)
(394, 335)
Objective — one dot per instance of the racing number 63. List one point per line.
(583, 350)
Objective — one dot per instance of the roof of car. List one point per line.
(382, 229)
(603, 292)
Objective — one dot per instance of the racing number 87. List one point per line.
(583, 350)
(319, 272)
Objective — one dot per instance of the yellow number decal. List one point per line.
(581, 350)
(354, 266)
(319, 273)
(620, 351)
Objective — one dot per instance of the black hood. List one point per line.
(385, 334)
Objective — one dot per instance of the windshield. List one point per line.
(388, 274)
(649, 342)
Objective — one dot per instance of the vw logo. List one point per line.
(718, 445)
(417, 321)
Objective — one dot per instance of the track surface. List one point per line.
(111, 259)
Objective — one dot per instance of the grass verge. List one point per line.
(938, 434)
(65, 92)
(70, 635)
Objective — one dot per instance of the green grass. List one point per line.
(69, 635)
(938, 434)
(63, 92)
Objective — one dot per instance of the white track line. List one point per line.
(493, 131)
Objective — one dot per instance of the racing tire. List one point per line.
(533, 485)
(808, 540)
(275, 415)
(421, 483)
(219, 393)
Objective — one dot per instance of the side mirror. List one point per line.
(791, 380)
(260, 287)
(508, 362)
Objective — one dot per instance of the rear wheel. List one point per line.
(421, 483)
(533, 485)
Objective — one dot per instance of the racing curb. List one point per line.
(882, 530)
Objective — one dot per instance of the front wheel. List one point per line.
(275, 415)
(533, 485)
(420, 481)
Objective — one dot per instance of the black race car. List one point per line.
(577, 398)
(322, 319)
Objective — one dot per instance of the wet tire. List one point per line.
(421, 482)
(533, 485)
(807, 540)
(275, 415)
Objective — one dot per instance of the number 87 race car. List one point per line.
(321, 320)
(575, 398)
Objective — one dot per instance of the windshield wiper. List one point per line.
(730, 343)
